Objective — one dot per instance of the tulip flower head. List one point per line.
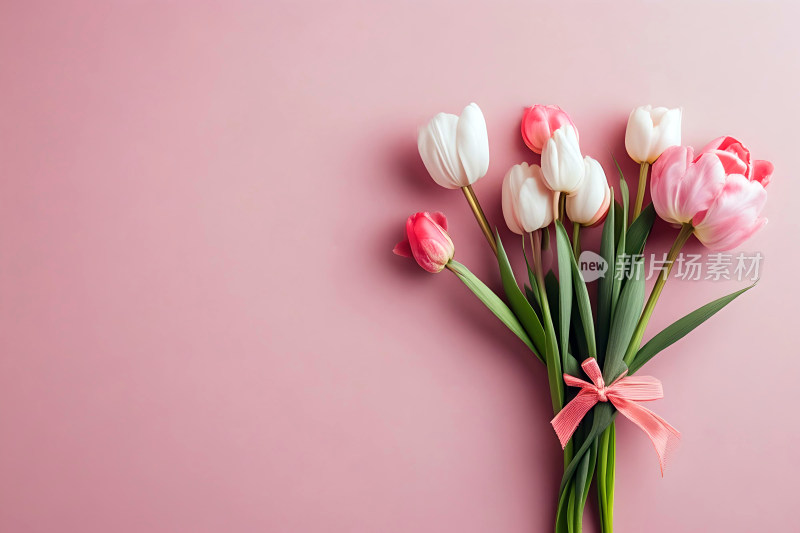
(455, 149)
(527, 202)
(710, 191)
(540, 122)
(562, 162)
(650, 131)
(590, 203)
(427, 241)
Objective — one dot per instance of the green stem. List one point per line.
(568, 453)
(602, 463)
(638, 333)
(562, 206)
(605, 478)
(642, 186)
(475, 205)
(552, 359)
(576, 239)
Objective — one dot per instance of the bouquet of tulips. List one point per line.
(592, 351)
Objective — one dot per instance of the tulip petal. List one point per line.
(434, 256)
(403, 249)
(527, 202)
(437, 147)
(665, 181)
(726, 143)
(535, 209)
(734, 155)
(699, 186)
(585, 204)
(602, 212)
(639, 133)
(762, 171)
(734, 216)
(509, 209)
(731, 162)
(473, 143)
(562, 162)
(666, 132)
(440, 219)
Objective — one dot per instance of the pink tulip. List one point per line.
(735, 156)
(427, 242)
(539, 122)
(712, 192)
(683, 186)
(734, 216)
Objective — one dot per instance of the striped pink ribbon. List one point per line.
(623, 394)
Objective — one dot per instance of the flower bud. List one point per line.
(539, 122)
(562, 162)
(590, 203)
(650, 131)
(527, 202)
(428, 242)
(455, 149)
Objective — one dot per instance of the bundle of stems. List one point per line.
(554, 316)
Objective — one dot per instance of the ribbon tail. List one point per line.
(664, 437)
(566, 421)
(637, 388)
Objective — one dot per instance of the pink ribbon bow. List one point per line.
(623, 394)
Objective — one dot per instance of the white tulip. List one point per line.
(527, 202)
(590, 202)
(650, 131)
(562, 162)
(455, 149)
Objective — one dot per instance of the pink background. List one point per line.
(203, 328)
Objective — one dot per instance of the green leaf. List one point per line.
(639, 230)
(532, 280)
(581, 475)
(605, 477)
(532, 297)
(602, 466)
(605, 284)
(617, 221)
(522, 309)
(563, 523)
(552, 359)
(578, 333)
(564, 251)
(492, 301)
(572, 366)
(592, 464)
(581, 292)
(551, 289)
(611, 470)
(622, 230)
(680, 328)
(623, 324)
(623, 190)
